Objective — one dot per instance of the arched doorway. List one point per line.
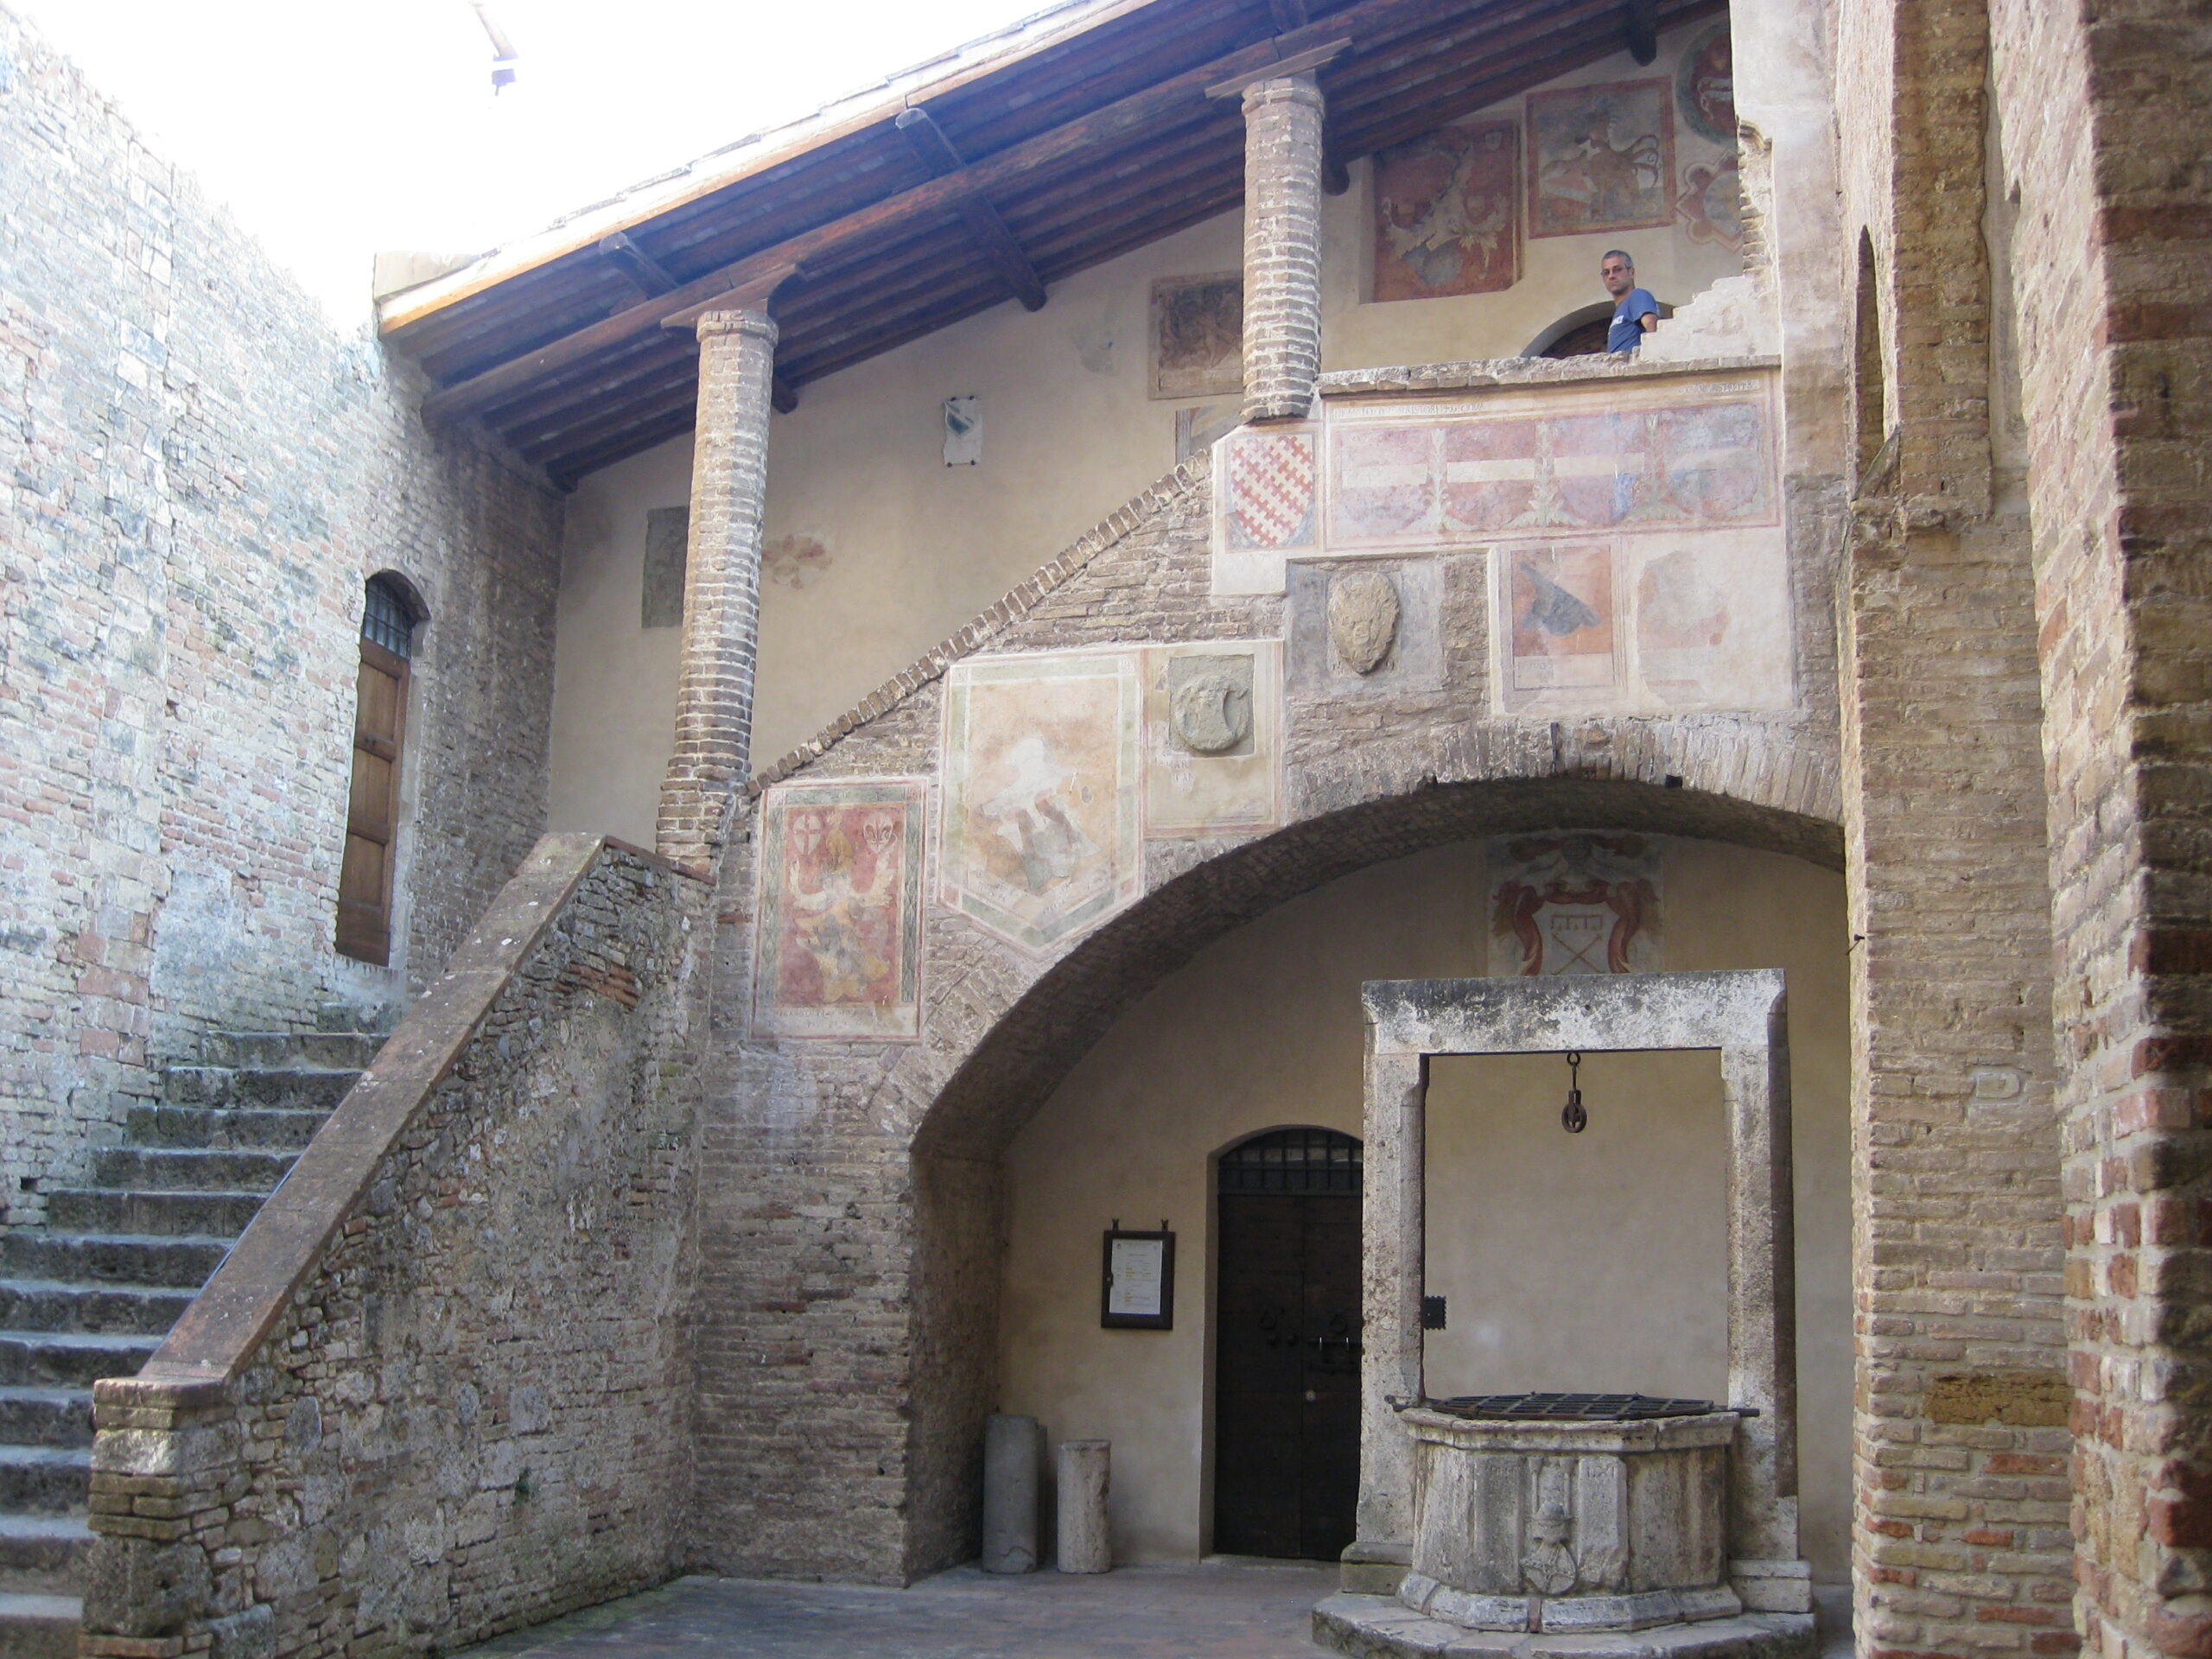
(1287, 1344)
(368, 875)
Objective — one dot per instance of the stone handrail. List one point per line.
(517, 1137)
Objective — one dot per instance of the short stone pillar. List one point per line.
(1014, 1460)
(1605, 1525)
(1282, 246)
(1084, 1545)
(721, 582)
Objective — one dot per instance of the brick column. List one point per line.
(721, 582)
(1282, 246)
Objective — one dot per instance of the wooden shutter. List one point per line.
(364, 880)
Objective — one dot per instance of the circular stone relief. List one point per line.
(1213, 712)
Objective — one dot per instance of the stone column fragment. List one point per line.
(721, 582)
(1014, 1456)
(1086, 1545)
(1282, 246)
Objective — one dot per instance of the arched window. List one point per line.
(1581, 332)
(390, 615)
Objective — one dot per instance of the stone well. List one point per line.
(1601, 1525)
(1634, 1536)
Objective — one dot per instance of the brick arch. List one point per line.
(1043, 1027)
(1054, 1021)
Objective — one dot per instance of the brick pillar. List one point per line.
(1282, 246)
(2109, 269)
(1961, 1541)
(721, 582)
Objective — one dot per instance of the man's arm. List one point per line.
(1650, 321)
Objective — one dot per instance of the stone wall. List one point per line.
(850, 1225)
(439, 1388)
(198, 472)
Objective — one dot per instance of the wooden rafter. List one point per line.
(997, 243)
(640, 267)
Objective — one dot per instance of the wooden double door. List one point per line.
(1287, 1352)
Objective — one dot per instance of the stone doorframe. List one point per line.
(1742, 1014)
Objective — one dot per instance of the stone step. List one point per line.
(34, 1416)
(40, 1627)
(42, 1554)
(188, 1169)
(46, 1479)
(110, 1258)
(50, 1305)
(222, 1128)
(289, 1087)
(71, 1359)
(338, 1049)
(173, 1215)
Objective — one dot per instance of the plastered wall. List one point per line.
(1262, 1030)
(876, 550)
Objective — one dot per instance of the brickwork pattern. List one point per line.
(197, 476)
(1282, 247)
(1961, 1543)
(471, 1416)
(845, 1328)
(2109, 258)
(722, 583)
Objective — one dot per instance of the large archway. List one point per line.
(1095, 1013)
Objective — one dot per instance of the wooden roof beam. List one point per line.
(999, 246)
(1640, 23)
(637, 268)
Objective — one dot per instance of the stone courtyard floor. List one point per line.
(1219, 1609)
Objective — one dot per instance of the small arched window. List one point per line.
(389, 615)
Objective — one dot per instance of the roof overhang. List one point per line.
(986, 175)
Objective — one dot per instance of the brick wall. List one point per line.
(197, 472)
(2104, 154)
(470, 1414)
(1961, 1540)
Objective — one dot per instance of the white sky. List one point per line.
(335, 129)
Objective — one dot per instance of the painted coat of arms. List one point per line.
(1584, 902)
(1198, 335)
(1043, 806)
(1601, 158)
(1269, 489)
(1445, 219)
(839, 918)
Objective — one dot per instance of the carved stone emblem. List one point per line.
(1549, 1565)
(1363, 619)
(1210, 703)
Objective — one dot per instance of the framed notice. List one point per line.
(1139, 1291)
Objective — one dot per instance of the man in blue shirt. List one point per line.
(1636, 314)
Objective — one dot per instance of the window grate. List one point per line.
(386, 620)
(1293, 1160)
(1568, 1408)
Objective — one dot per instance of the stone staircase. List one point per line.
(92, 1292)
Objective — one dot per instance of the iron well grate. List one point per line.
(1557, 1408)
